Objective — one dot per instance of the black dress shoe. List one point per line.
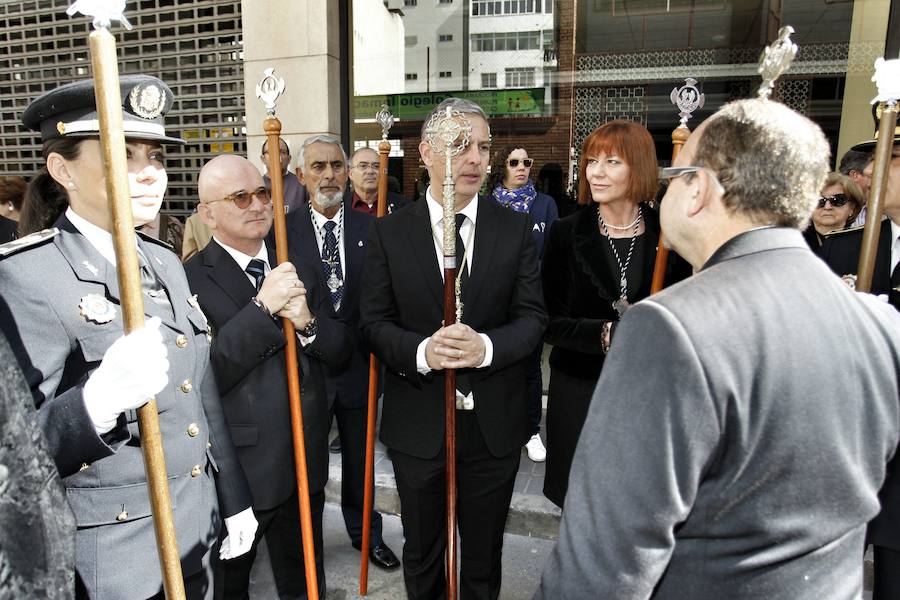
(384, 557)
(335, 446)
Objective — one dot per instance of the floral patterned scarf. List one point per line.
(518, 200)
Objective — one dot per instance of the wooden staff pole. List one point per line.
(272, 128)
(384, 148)
(450, 375)
(882, 156)
(679, 136)
(112, 143)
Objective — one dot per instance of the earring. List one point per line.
(10, 207)
(71, 185)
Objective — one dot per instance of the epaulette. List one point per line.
(29, 241)
(842, 231)
(150, 238)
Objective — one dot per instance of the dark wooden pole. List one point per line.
(384, 148)
(272, 128)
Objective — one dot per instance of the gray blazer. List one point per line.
(42, 287)
(737, 438)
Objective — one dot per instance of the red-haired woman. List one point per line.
(597, 262)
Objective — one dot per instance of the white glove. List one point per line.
(133, 369)
(241, 530)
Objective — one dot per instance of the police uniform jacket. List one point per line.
(61, 313)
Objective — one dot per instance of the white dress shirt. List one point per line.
(895, 245)
(97, 237)
(467, 232)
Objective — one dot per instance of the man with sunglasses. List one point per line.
(363, 193)
(755, 401)
(244, 292)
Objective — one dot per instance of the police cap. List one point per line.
(71, 111)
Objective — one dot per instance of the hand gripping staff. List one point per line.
(386, 120)
(112, 144)
(887, 79)
(268, 90)
(448, 134)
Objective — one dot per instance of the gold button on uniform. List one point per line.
(122, 516)
(181, 341)
(193, 430)
(195, 471)
(187, 386)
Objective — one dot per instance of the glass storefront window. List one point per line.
(548, 74)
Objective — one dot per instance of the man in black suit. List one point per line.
(294, 192)
(363, 194)
(243, 294)
(401, 314)
(841, 251)
(333, 236)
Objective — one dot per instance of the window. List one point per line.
(488, 80)
(516, 7)
(411, 40)
(409, 3)
(412, 76)
(493, 42)
(445, 74)
(445, 37)
(445, 1)
(486, 7)
(519, 77)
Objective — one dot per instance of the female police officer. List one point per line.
(60, 310)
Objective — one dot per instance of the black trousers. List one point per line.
(281, 528)
(484, 489)
(534, 387)
(887, 573)
(351, 424)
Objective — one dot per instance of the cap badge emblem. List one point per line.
(147, 100)
(96, 308)
(61, 128)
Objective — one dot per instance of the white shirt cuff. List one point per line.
(488, 351)
(305, 341)
(421, 362)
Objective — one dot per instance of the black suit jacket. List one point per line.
(841, 252)
(347, 381)
(402, 304)
(248, 360)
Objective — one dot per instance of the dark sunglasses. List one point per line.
(836, 200)
(514, 162)
(242, 199)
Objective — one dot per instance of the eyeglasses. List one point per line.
(836, 200)
(514, 162)
(673, 172)
(242, 198)
(365, 166)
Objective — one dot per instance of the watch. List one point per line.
(311, 329)
(261, 306)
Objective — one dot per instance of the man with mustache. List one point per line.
(328, 232)
(401, 317)
(364, 176)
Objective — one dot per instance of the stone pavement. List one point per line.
(530, 513)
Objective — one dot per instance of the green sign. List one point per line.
(496, 103)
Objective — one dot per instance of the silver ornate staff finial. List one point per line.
(775, 60)
(448, 133)
(269, 89)
(687, 99)
(104, 12)
(385, 119)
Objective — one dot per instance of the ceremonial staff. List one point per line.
(115, 165)
(448, 134)
(887, 79)
(268, 90)
(386, 120)
(688, 99)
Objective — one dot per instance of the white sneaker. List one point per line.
(536, 450)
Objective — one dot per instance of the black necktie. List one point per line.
(257, 270)
(463, 385)
(331, 265)
(150, 284)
